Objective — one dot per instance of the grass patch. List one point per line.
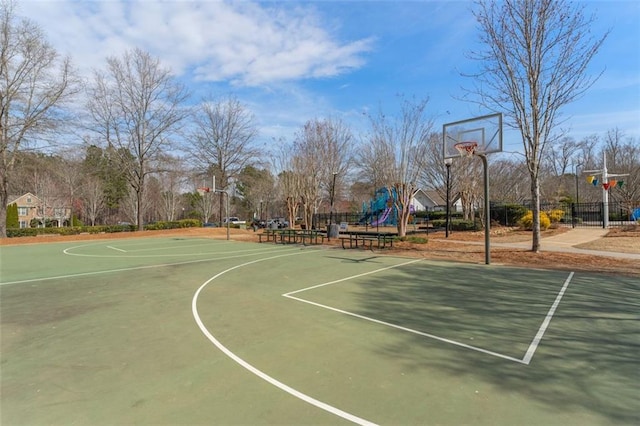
(415, 239)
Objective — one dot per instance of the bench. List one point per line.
(268, 235)
(358, 240)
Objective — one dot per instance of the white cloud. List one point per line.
(246, 43)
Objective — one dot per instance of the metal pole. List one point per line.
(577, 191)
(228, 221)
(605, 193)
(333, 190)
(487, 219)
(574, 211)
(447, 163)
(227, 208)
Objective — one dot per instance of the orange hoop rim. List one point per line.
(466, 148)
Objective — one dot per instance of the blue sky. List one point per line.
(291, 61)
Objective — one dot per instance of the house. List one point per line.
(430, 200)
(31, 207)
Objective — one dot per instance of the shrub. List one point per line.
(527, 221)
(508, 214)
(455, 224)
(555, 216)
(75, 221)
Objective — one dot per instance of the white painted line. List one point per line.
(162, 265)
(304, 397)
(351, 277)
(410, 330)
(545, 323)
(114, 248)
(69, 251)
(180, 245)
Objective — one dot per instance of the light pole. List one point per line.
(447, 163)
(575, 172)
(333, 192)
(574, 209)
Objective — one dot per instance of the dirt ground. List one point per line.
(460, 247)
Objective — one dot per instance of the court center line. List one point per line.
(351, 277)
(177, 246)
(543, 328)
(68, 251)
(264, 376)
(115, 248)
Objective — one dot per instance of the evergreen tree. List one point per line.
(12, 216)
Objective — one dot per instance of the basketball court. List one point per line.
(201, 331)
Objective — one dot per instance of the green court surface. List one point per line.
(201, 331)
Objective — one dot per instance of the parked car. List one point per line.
(233, 220)
(278, 222)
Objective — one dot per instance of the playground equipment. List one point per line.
(381, 210)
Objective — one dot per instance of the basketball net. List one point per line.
(466, 149)
(202, 191)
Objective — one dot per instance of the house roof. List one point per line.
(14, 198)
(432, 195)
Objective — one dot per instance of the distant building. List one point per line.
(31, 207)
(430, 200)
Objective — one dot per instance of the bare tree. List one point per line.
(320, 162)
(507, 180)
(534, 63)
(289, 182)
(623, 157)
(402, 146)
(467, 183)
(71, 177)
(254, 185)
(93, 198)
(556, 165)
(34, 85)
(171, 180)
(136, 106)
(434, 173)
(223, 140)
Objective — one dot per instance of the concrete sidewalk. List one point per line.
(567, 241)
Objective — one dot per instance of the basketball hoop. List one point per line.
(202, 191)
(466, 149)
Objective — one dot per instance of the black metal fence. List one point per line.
(573, 214)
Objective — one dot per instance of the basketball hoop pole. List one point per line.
(487, 218)
(227, 208)
(480, 136)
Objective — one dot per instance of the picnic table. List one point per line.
(292, 236)
(367, 239)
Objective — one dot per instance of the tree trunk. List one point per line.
(4, 199)
(535, 198)
(140, 211)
